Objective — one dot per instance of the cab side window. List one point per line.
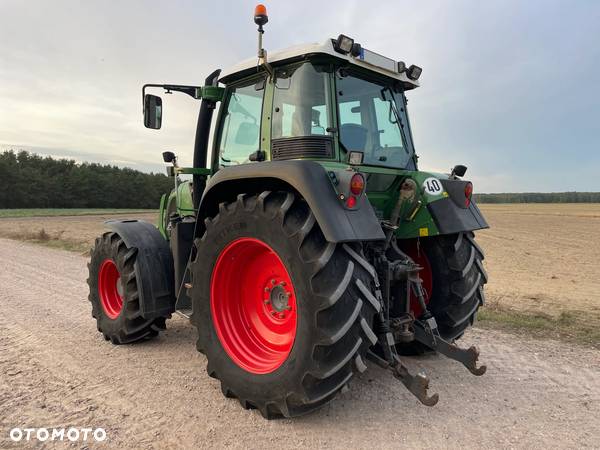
(389, 133)
(240, 132)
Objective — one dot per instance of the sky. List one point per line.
(509, 88)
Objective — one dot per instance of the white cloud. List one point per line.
(505, 90)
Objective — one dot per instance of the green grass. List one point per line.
(573, 326)
(49, 212)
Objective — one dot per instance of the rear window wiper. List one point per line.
(394, 109)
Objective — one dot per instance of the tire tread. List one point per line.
(343, 310)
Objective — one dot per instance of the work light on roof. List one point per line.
(414, 72)
(343, 44)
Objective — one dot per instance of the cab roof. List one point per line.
(368, 60)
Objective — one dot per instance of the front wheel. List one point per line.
(114, 292)
(283, 316)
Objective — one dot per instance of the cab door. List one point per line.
(239, 124)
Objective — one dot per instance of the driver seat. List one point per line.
(353, 136)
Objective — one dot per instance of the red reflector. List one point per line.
(468, 193)
(357, 184)
(351, 202)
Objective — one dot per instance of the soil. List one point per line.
(543, 258)
(78, 232)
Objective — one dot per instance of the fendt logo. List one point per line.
(57, 434)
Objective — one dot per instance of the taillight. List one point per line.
(351, 202)
(357, 184)
(468, 193)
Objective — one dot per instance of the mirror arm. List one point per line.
(193, 91)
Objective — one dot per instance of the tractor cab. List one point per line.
(317, 101)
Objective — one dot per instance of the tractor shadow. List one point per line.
(374, 394)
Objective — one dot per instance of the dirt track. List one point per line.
(57, 371)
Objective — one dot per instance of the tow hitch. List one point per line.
(427, 333)
(406, 329)
(418, 384)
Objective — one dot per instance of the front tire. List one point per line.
(284, 362)
(114, 292)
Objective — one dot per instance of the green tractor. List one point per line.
(310, 243)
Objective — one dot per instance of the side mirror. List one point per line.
(152, 111)
(168, 157)
(458, 171)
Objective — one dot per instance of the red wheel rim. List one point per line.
(418, 255)
(109, 287)
(253, 305)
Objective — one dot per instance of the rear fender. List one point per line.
(452, 213)
(441, 209)
(153, 266)
(309, 180)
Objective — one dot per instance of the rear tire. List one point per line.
(114, 293)
(457, 278)
(333, 305)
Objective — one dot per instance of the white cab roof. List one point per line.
(316, 48)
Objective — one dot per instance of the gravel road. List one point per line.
(56, 370)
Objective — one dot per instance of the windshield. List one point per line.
(373, 120)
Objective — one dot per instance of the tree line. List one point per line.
(28, 180)
(539, 197)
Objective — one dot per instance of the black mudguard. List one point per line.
(452, 214)
(153, 266)
(450, 218)
(310, 180)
